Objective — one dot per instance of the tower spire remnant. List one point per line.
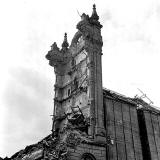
(54, 46)
(79, 78)
(94, 13)
(65, 43)
(94, 19)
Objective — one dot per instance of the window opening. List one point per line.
(88, 156)
(75, 83)
(73, 62)
(69, 92)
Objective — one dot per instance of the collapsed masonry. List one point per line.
(137, 114)
(89, 122)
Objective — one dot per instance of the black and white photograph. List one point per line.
(80, 80)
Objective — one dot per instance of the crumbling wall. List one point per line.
(70, 144)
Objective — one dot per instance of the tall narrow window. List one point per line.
(73, 62)
(75, 83)
(69, 92)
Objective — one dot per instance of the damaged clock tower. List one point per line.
(78, 103)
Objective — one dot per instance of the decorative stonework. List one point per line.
(59, 58)
(78, 96)
(78, 70)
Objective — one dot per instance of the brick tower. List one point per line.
(78, 102)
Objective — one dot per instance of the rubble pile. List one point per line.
(53, 147)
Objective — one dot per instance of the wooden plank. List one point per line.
(112, 152)
(135, 133)
(109, 110)
(137, 147)
(127, 132)
(154, 156)
(121, 151)
(148, 123)
(130, 151)
(126, 116)
(150, 133)
(159, 121)
(110, 127)
(121, 148)
(151, 137)
(110, 118)
(156, 133)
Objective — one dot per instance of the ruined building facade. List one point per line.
(89, 122)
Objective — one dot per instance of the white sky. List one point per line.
(131, 56)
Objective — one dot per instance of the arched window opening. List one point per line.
(88, 156)
(69, 92)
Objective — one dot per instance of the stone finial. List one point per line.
(65, 43)
(94, 15)
(84, 17)
(54, 46)
(53, 50)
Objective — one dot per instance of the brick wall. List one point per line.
(97, 151)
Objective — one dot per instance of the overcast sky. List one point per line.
(131, 58)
